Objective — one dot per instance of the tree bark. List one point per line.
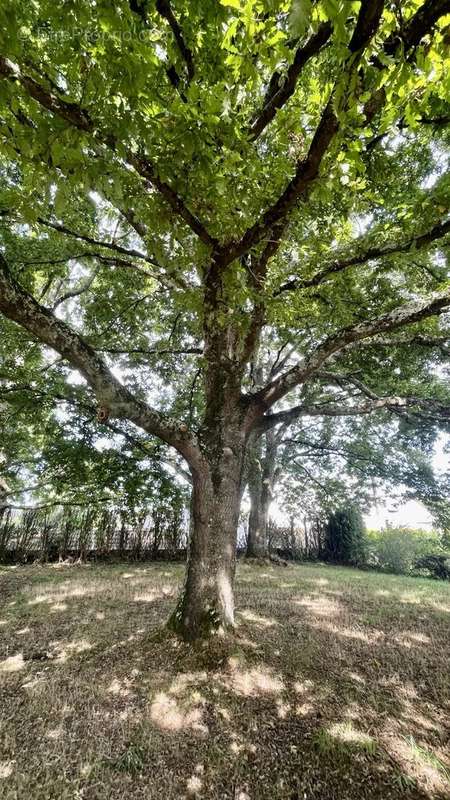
(207, 600)
(261, 480)
(257, 524)
(206, 603)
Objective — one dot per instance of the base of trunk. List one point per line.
(206, 604)
(202, 621)
(206, 624)
(255, 551)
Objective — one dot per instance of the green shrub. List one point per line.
(437, 566)
(345, 537)
(398, 550)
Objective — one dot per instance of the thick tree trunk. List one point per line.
(207, 600)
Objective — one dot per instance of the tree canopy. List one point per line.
(187, 183)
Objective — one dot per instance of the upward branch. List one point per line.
(405, 39)
(81, 119)
(139, 7)
(272, 221)
(19, 306)
(421, 22)
(399, 317)
(281, 92)
(297, 188)
(165, 9)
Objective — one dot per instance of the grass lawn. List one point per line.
(337, 687)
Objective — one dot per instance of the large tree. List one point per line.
(348, 436)
(349, 453)
(240, 146)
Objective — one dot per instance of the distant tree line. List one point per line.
(341, 538)
(83, 533)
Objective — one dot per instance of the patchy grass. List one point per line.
(344, 737)
(337, 687)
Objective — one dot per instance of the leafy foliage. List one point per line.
(344, 537)
(401, 550)
(438, 566)
(186, 185)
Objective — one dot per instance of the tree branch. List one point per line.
(297, 188)
(164, 8)
(117, 248)
(342, 379)
(281, 92)
(80, 118)
(415, 28)
(391, 403)
(271, 223)
(84, 287)
(187, 351)
(438, 231)
(139, 7)
(408, 38)
(399, 317)
(19, 306)
(56, 503)
(441, 342)
(138, 226)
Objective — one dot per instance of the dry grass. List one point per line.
(336, 688)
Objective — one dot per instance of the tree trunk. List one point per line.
(257, 521)
(207, 600)
(261, 479)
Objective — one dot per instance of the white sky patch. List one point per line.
(411, 514)
(442, 163)
(362, 223)
(103, 443)
(74, 378)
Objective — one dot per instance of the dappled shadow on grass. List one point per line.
(388, 668)
(332, 689)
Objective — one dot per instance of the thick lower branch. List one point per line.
(19, 306)
(400, 317)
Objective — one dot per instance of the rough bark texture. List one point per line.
(261, 478)
(206, 602)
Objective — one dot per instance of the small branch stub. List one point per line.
(103, 413)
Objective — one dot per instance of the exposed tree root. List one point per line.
(266, 561)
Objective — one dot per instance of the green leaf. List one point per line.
(299, 17)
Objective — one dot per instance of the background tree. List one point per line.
(344, 537)
(237, 208)
(336, 445)
(318, 463)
